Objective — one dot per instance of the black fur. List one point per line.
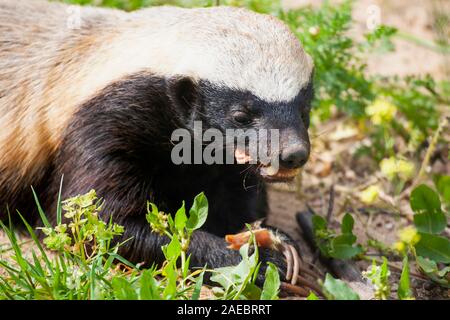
(118, 143)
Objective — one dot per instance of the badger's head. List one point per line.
(248, 71)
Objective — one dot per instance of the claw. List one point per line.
(293, 290)
(289, 260)
(310, 284)
(296, 269)
(292, 262)
(266, 239)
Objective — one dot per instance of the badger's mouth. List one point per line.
(281, 175)
(268, 172)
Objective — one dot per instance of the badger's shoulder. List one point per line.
(43, 65)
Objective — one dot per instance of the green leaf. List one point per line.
(149, 288)
(198, 286)
(404, 288)
(251, 292)
(441, 273)
(225, 276)
(198, 212)
(336, 289)
(271, 283)
(319, 223)
(312, 296)
(432, 271)
(170, 223)
(443, 187)
(347, 224)
(429, 217)
(40, 210)
(342, 247)
(152, 215)
(434, 247)
(36, 242)
(186, 267)
(123, 290)
(237, 277)
(180, 219)
(427, 265)
(423, 198)
(430, 223)
(59, 205)
(173, 249)
(384, 274)
(170, 270)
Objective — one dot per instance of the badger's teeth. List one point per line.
(241, 157)
(271, 171)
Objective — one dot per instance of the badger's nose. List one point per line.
(294, 156)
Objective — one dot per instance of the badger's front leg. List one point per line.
(205, 248)
(232, 206)
(125, 197)
(141, 244)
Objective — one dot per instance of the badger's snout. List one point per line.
(294, 147)
(294, 156)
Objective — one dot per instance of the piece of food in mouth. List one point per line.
(268, 171)
(281, 173)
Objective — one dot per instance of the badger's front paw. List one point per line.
(275, 247)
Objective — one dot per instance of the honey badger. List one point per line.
(98, 104)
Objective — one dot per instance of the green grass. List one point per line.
(84, 265)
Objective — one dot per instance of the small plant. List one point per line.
(91, 235)
(81, 269)
(179, 231)
(425, 241)
(340, 246)
(379, 278)
(87, 266)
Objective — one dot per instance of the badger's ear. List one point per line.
(184, 94)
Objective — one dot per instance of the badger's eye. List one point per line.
(242, 117)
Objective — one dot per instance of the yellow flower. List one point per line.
(399, 246)
(388, 167)
(370, 194)
(381, 111)
(409, 235)
(392, 167)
